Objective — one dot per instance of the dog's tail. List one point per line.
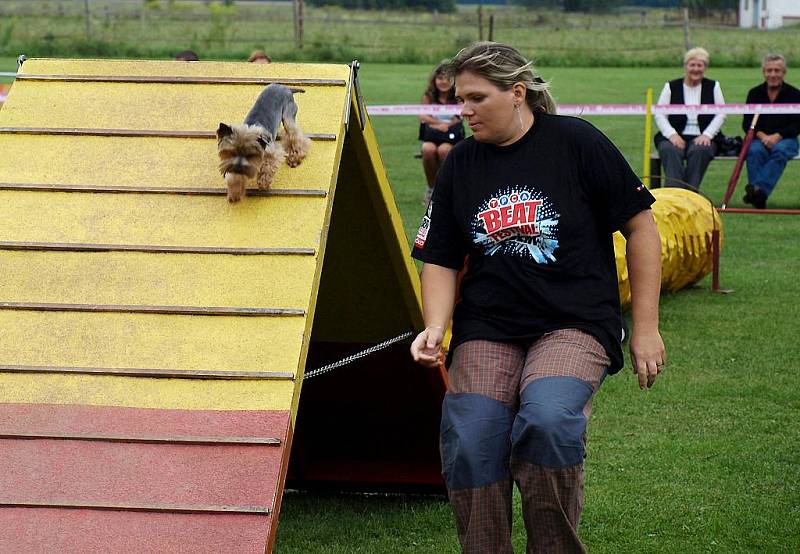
(296, 90)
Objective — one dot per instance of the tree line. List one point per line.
(448, 6)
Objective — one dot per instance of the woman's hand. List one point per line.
(427, 347)
(648, 356)
(702, 140)
(678, 141)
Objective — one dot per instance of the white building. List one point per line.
(768, 14)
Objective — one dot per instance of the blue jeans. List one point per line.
(764, 167)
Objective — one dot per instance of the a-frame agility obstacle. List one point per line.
(153, 337)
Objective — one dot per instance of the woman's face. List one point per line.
(443, 83)
(489, 110)
(694, 70)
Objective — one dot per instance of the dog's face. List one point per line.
(241, 149)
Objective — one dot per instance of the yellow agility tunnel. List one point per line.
(154, 337)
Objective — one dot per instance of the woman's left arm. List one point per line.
(643, 254)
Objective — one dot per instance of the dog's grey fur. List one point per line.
(274, 104)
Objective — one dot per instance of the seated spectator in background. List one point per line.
(775, 140)
(689, 138)
(438, 133)
(186, 56)
(259, 56)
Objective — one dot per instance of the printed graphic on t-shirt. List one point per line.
(424, 227)
(517, 221)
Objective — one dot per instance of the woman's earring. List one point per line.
(519, 115)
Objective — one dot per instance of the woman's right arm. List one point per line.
(438, 297)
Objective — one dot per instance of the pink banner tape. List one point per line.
(601, 109)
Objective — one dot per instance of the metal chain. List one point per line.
(358, 355)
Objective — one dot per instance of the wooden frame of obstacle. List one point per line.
(155, 337)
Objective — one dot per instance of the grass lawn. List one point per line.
(7, 64)
(704, 462)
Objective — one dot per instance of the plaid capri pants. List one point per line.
(519, 414)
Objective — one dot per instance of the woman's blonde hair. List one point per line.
(503, 66)
(696, 54)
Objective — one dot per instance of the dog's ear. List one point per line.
(224, 131)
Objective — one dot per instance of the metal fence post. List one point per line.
(686, 42)
(88, 16)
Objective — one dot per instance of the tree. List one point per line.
(429, 5)
(590, 5)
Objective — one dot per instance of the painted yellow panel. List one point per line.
(260, 281)
(160, 219)
(151, 341)
(40, 66)
(129, 392)
(158, 106)
(140, 162)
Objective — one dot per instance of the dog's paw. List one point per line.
(264, 180)
(236, 193)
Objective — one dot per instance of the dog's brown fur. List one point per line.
(253, 151)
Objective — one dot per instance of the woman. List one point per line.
(438, 133)
(689, 138)
(531, 199)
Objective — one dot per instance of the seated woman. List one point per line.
(438, 133)
(689, 138)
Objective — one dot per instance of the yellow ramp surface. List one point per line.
(148, 322)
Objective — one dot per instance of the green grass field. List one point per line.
(706, 461)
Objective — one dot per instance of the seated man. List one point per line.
(775, 140)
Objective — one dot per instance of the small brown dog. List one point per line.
(252, 150)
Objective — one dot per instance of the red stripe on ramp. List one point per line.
(46, 530)
(65, 419)
(66, 471)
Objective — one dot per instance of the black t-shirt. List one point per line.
(535, 219)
